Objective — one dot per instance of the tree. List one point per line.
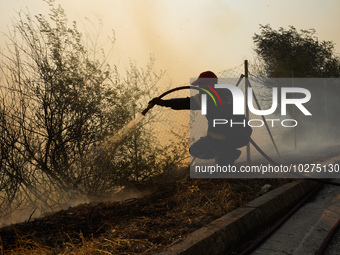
(287, 53)
(58, 104)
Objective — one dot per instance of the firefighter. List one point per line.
(222, 141)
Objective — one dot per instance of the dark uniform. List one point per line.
(221, 141)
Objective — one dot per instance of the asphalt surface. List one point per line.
(304, 232)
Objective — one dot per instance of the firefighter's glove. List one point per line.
(155, 101)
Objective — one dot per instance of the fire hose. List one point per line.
(166, 93)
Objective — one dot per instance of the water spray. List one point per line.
(113, 142)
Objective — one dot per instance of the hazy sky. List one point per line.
(188, 37)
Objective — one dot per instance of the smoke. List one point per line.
(185, 38)
(34, 210)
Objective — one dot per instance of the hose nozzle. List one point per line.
(150, 105)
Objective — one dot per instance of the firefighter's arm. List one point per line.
(186, 103)
(176, 104)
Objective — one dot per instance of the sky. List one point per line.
(187, 37)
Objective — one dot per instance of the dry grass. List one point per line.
(142, 226)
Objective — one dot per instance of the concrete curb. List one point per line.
(233, 229)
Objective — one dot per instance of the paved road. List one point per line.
(334, 246)
(304, 232)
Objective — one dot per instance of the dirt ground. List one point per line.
(137, 226)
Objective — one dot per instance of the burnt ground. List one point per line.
(141, 225)
(138, 226)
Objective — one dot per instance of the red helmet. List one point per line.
(207, 77)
